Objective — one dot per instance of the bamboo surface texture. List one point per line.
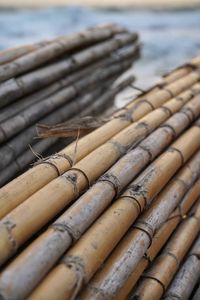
(115, 213)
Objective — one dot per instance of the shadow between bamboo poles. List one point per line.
(197, 294)
(15, 88)
(82, 258)
(160, 238)
(109, 281)
(55, 49)
(16, 189)
(185, 280)
(36, 111)
(68, 187)
(86, 106)
(127, 52)
(17, 144)
(159, 275)
(89, 208)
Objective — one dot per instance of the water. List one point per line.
(169, 38)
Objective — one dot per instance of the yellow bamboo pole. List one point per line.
(160, 274)
(83, 260)
(16, 191)
(67, 187)
(83, 213)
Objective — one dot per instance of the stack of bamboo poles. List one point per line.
(63, 237)
(53, 81)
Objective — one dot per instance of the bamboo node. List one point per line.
(171, 149)
(147, 257)
(188, 109)
(77, 264)
(145, 101)
(147, 228)
(134, 201)
(168, 91)
(113, 180)
(120, 148)
(9, 227)
(84, 174)
(63, 227)
(126, 116)
(156, 279)
(170, 127)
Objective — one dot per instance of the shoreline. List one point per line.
(137, 4)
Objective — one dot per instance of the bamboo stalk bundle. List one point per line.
(63, 189)
(186, 278)
(15, 192)
(159, 239)
(16, 145)
(110, 228)
(135, 244)
(134, 160)
(95, 102)
(160, 274)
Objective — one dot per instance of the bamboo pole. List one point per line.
(16, 192)
(15, 88)
(186, 278)
(91, 103)
(84, 212)
(118, 268)
(55, 49)
(158, 242)
(17, 145)
(112, 225)
(120, 55)
(68, 187)
(159, 275)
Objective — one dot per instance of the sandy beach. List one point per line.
(103, 3)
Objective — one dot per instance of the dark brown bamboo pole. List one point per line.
(17, 145)
(158, 242)
(13, 89)
(55, 49)
(161, 272)
(112, 225)
(92, 103)
(89, 208)
(120, 55)
(197, 294)
(125, 258)
(16, 192)
(187, 277)
(63, 190)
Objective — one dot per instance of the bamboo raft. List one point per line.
(54, 81)
(115, 214)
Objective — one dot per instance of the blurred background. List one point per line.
(169, 29)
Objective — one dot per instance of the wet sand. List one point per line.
(103, 3)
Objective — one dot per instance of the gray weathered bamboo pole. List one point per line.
(13, 89)
(134, 160)
(15, 192)
(197, 294)
(120, 55)
(187, 277)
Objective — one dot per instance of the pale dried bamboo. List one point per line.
(157, 278)
(187, 277)
(56, 48)
(88, 254)
(16, 192)
(83, 213)
(15, 88)
(92, 103)
(64, 189)
(158, 241)
(120, 55)
(18, 144)
(118, 268)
